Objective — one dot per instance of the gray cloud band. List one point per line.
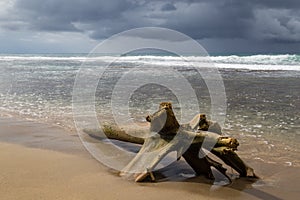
(87, 79)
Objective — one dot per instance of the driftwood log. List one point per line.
(168, 136)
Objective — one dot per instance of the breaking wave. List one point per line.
(251, 62)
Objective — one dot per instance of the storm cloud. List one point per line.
(267, 21)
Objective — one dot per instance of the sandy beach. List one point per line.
(84, 86)
(42, 157)
(41, 161)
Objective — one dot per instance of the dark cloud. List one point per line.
(279, 25)
(280, 4)
(168, 7)
(256, 20)
(207, 20)
(57, 15)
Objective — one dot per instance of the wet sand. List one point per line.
(40, 161)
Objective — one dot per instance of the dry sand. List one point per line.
(39, 161)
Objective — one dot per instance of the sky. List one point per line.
(221, 26)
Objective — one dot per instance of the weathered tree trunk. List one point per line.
(113, 132)
(182, 139)
(224, 149)
(232, 159)
(199, 165)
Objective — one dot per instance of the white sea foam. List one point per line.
(252, 62)
(260, 67)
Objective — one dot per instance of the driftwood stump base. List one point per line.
(186, 140)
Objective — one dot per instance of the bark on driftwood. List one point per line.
(186, 140)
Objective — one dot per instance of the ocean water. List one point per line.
(262, 93)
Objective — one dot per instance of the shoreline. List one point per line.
(41, 160)
(275, 152)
